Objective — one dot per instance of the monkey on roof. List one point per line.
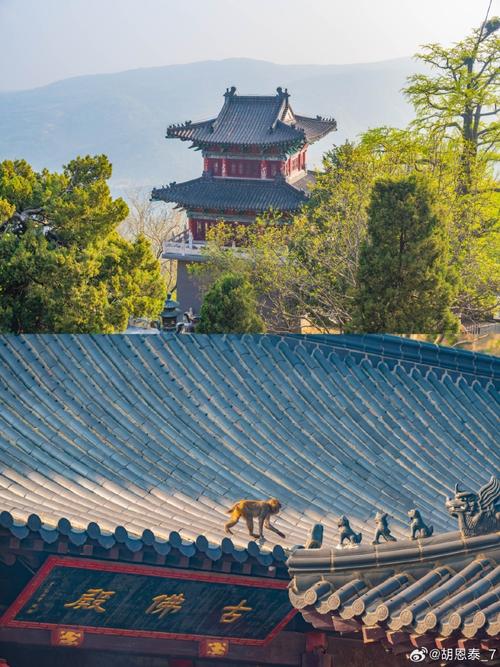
(262, 510)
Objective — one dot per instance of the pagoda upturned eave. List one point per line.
(233, 194)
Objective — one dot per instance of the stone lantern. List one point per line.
(169, 314)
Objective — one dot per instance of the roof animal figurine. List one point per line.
(417, 525)
(189, 322)
(315, 540)
(262, 510)
(383, 530)
(347, 533)
(477, 513)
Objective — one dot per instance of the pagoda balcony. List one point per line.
(183, 247)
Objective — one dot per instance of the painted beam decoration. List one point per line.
(141, 601)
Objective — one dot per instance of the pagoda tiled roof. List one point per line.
(166, 432)
(254, 120)
(235, 194)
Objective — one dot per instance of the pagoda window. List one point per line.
(240, 168)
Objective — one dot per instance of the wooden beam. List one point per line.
(247, 568)
(207, 564)
(463, 642)
(340, 625)
(446, 642)
(373, 634)
(318, 660)
(316, 642)
(405, 647)
(422, 641)
(319, 621)
(397, 637)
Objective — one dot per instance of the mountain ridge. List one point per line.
(242, 59)
(124, 114)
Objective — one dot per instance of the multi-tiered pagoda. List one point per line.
(254, 155)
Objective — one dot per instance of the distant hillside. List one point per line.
(125, 115)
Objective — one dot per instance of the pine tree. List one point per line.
(63, 266)
(404, 282)
(230, 306)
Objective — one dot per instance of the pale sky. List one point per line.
(46, 40)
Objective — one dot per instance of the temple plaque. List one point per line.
(143, 601)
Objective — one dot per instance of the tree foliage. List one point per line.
(457, 108)
(307, 267)
(230, 306)
(302, 268)
(405, 284)
(63, 266)
(157, 223)
(460, 98)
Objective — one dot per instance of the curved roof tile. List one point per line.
(166, 432)
(246, 120)
(237, 194)
(443, 585)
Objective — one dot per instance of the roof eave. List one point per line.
(203, 143)
(401, 553)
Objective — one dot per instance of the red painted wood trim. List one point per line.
(7, 620)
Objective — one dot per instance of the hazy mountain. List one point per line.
(125, 115)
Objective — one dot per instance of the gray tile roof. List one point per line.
(305, 182)
(96, 541)
(315, 128)
(166, 432)
(254, 120)
(233, 194)
(442, 586)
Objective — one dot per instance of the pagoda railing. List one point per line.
(183, 245)
(183, 248)
(185, 236)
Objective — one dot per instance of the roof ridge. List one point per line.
(469, 364)
(272, 98)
